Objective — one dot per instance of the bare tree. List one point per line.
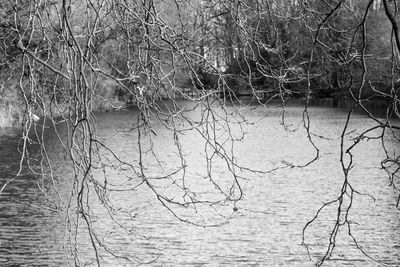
(76, 56)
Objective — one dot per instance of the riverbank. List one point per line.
(12, 112)
(11, 116)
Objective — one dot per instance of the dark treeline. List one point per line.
(292, 48)
(279, 48)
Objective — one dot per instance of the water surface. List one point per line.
(267, 226)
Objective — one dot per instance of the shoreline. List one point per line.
(12, 127)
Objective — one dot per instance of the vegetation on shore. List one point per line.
(328, 49)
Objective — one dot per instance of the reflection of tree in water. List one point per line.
(70, 58)
(26, 221)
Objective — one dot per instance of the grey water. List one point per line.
(265, 229)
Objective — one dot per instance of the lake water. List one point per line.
(266, 226)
